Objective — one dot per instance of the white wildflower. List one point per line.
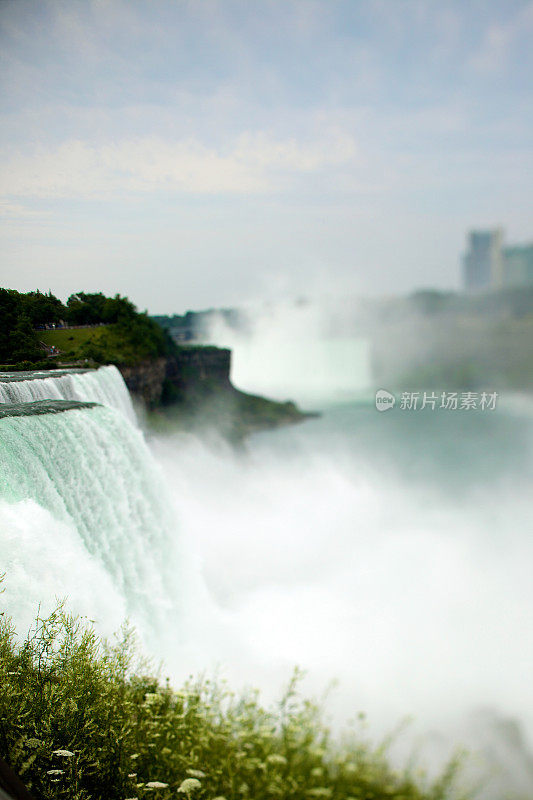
(156, 785)
(54, 772)
(151, 698)
(196, 773)
(64, 753)
(132, 775)
(276, 758)
(189, 785)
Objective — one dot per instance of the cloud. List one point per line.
(16, 211)
(254, 163)
(499, 40)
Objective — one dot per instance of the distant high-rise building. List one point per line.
(518, 265)
(483, 261)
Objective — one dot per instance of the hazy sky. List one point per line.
(201, 153)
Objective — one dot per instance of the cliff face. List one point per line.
(193, 390)
(145, 380)
(197, 370)
(193, 372)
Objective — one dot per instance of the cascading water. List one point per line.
(91, 469)
(85, 511)
(333, 545)
(309, 360)
(104, 386)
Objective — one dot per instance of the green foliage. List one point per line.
(120, 334)
(80, 719)
(118, 343)
(42, 309)
(23, 341)
(90, 309)
(18, 340)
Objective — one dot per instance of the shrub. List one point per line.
(82, 719)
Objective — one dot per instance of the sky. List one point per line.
(207, 153)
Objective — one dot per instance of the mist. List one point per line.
(300, 350)
(387, 553)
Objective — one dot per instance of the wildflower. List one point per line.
(54, 772)
(132, 775)
(156, 785)
(135, 755)
(63, 753)
(196, 773)
(189, 785)
(276, 758)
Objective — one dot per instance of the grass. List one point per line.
(85, 720)
(102, 344)
(71, 339)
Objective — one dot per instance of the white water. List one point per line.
(293, 352)
(382, 561)
(104, 386)
(91, 469)
(394, 560)
(85, 513)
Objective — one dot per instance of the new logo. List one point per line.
(384, 400)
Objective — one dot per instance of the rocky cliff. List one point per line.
(192, 389)
(198, 370)
(192, 372)
(145, 380)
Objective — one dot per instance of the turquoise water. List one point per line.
(454, 452)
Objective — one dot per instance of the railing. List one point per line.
(55, 327)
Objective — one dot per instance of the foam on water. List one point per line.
(85, 477)
(104, 386)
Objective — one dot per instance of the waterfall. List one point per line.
(86, 513)
(89, 468)
(104, 385)
(296, 352)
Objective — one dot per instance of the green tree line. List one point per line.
(24, 315)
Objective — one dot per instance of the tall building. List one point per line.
(483, 262)
(518, 265)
